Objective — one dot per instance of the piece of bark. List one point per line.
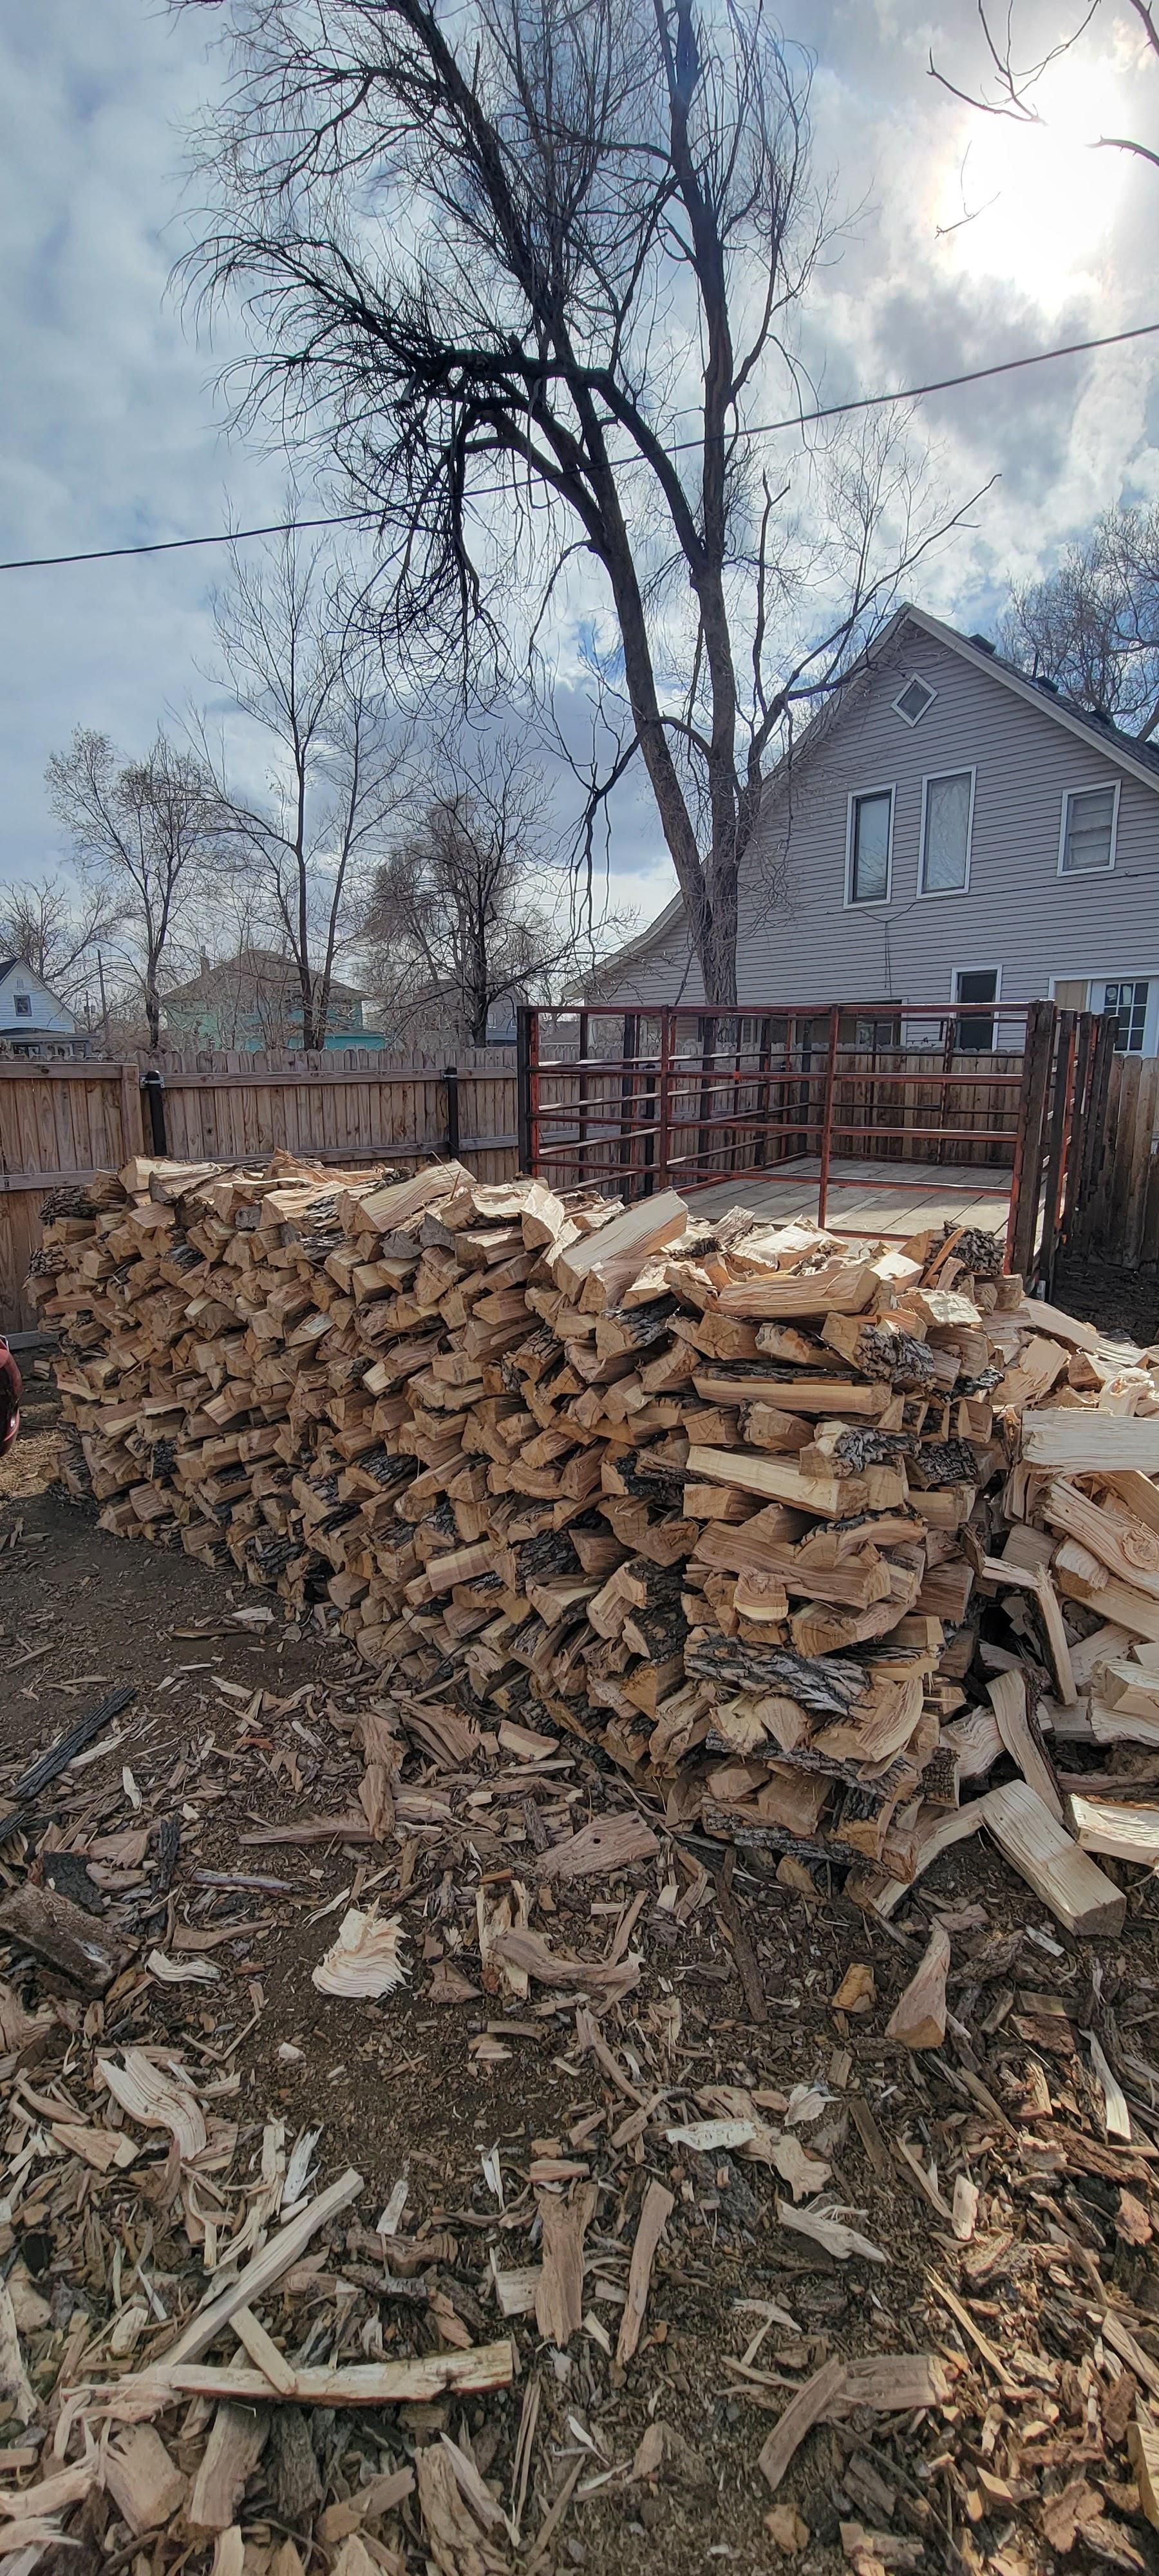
(291, 2467)
(918, 2019)
(145, 2484)
(559, 2305)
(876, 2150)
(656, 2210)
(371, 2383)
(813, 2404)
(48, 1766)
(36, 1919)
(1066, 1879)
(236, 2441)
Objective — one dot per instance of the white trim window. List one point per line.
(1090, 823)
(1128, 1001)
(976, 985)
(1131, 1000)
(869, 845)
(913, 701)
(947, 830)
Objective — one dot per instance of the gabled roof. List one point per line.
(1139, 759)
(253, 970)
(6, 967)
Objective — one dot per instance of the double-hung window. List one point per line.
(870, 840)
(947, 817)
(975, 1030)
(1089, 819)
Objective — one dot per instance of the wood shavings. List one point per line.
(364, 1961)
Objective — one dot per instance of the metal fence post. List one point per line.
(665, 1152)
(153, 1086)
(451, 1078)
(1026, 1179)
(827, 1113)
(526, 1049)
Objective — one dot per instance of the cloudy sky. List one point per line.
(111, 430)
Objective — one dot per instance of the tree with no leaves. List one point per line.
(527, 270)
(143, 835)
(296, 852)
(1013, 89)
(1092, 626)
(468, 909)
(56, 930)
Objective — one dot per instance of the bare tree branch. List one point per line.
(523, 272)
(472, 907)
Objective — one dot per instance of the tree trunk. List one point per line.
(717, 944)
(153, 1016)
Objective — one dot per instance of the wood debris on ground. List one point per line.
(838, 1553)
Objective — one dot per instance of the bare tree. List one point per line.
(297, 662)
(1092, 626)
(56, 929)
(470, 907)
(1010, 84)
(527, 270)
(143, 835)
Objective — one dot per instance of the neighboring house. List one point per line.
(946, 830)
(252, 1002)
(32, 1020)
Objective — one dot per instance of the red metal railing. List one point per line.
(638, 1100)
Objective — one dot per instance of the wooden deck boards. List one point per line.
(934, 1193)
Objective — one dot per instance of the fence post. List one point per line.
(526, 1055)
(1026, 1179)
(153, 1086)
(451, 1078)
(132, 1128)
(827, 1113)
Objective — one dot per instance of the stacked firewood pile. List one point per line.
(807, 1534)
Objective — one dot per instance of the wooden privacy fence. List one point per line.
(62, 1121)
(1116, 1218)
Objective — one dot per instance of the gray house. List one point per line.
(947, 830)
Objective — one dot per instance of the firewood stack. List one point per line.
(730, 1500)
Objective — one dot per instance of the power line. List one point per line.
(176, 545)
(754, 429)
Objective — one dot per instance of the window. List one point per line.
(1128, 1005)
(22, 1005)
(947, 817)
(1089, 816)
(975, 1031)
(916, 696)
(870, 836)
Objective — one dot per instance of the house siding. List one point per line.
(47, 1016)
(801, 942)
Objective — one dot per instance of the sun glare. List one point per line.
(1040, 199)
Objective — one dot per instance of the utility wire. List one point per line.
(753, 429)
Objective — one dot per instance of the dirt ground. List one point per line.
(737, 1995)
(1118, 1301)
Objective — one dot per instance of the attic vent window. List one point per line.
(916, 696)
(23, 1005)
